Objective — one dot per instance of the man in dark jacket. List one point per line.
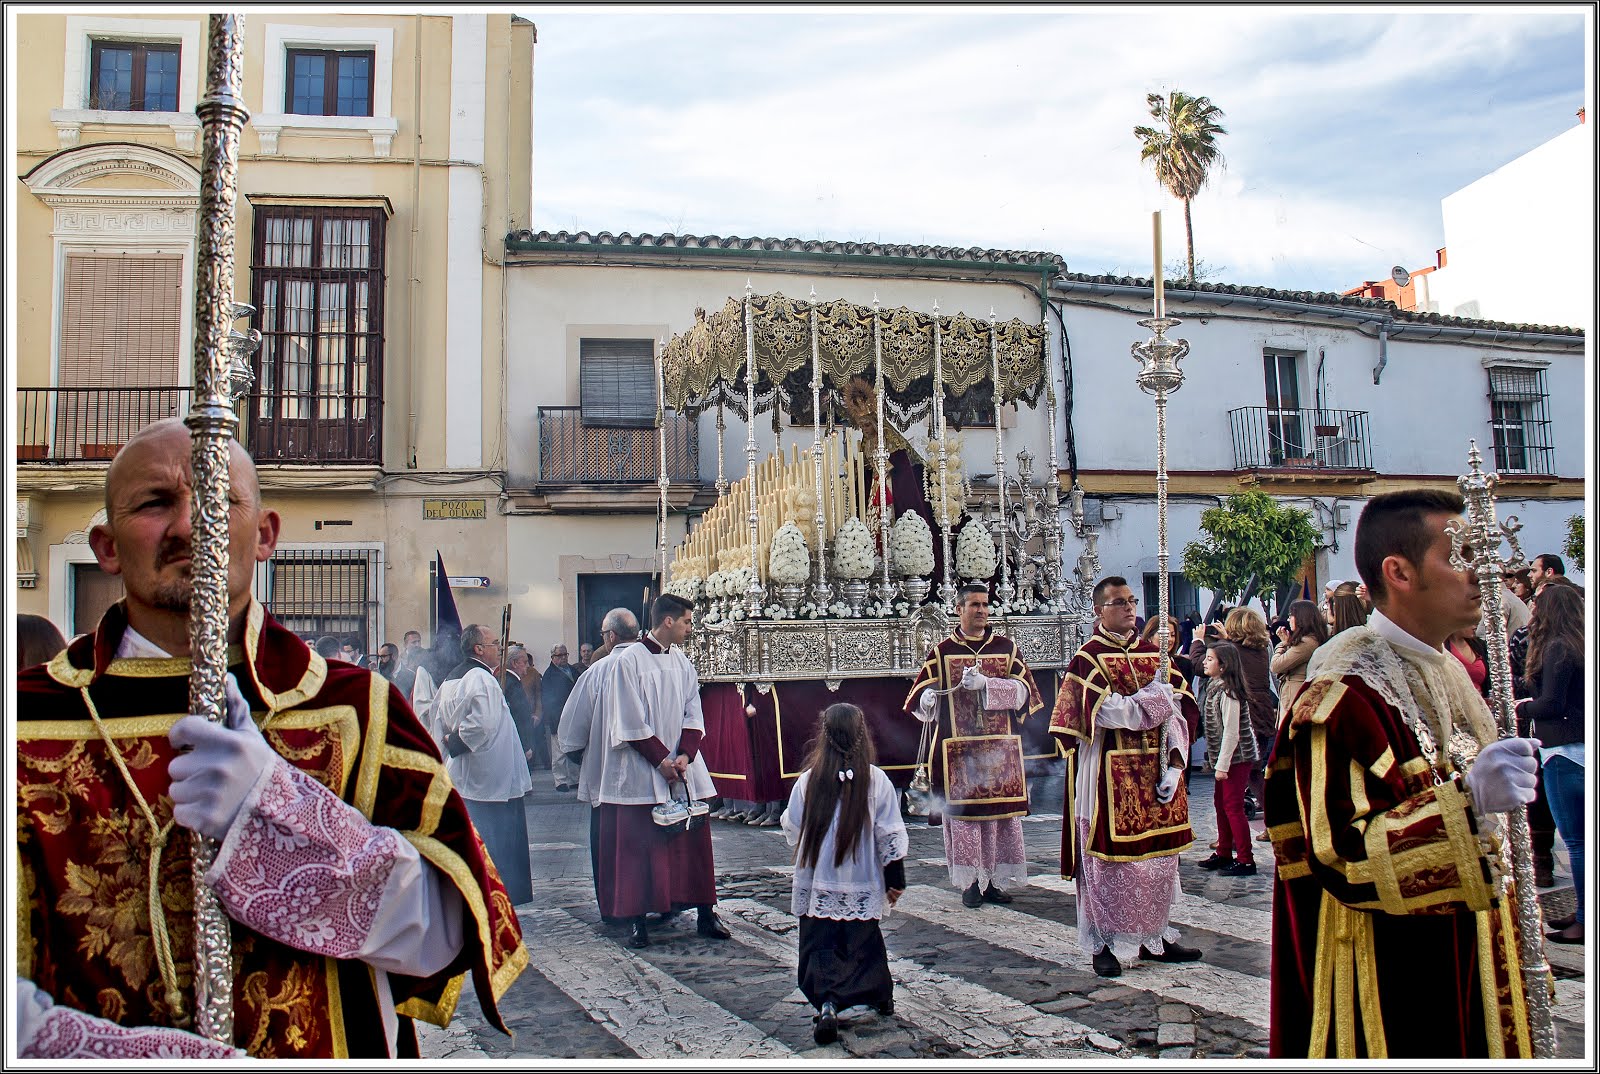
(518, 662)
(555, 687)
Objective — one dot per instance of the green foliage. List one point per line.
(1183, 150)
(1574, 546)
(1251, 533)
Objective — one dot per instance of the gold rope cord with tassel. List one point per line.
(1346, 978)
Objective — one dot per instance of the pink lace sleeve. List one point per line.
(1005, 695)
(303, 867)
(64, 1033)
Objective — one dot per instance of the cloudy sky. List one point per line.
(1013, 127)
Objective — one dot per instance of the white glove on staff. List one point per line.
(973, 679)
(1168, 785)
(1504, 775)
(212, 780)
(928, 706)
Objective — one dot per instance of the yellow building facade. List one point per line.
(385, 158)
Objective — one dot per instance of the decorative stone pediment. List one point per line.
(116, 175)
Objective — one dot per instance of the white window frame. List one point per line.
(82, 32)
(270, 120)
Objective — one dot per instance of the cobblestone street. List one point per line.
(999, 981)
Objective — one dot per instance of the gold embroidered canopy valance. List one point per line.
(706, 364)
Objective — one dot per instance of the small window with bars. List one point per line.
(317, 592)
(617, 382)
(133, 76)
(1519, 420)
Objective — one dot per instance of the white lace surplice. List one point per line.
(852, 891)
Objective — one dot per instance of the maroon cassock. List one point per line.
(976, 763)
(644, 868)
(84, 847)
(1388, 940)
(1129, 823)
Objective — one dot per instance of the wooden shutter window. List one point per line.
(617, 382)
(121, 321)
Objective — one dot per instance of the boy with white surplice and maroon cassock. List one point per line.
(975, 684)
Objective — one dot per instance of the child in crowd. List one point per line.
(1231, 750)
(844, 822)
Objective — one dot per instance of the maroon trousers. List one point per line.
(1233, 830)
(639, 870)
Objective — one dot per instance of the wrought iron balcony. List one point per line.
(1270, 438)
(75, 425)
(316, 428)
(572, 453)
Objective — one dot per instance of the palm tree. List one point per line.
(1184, 149)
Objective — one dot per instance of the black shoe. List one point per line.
(1171, 952)
(935, 820)
(971, 898)
(1239, 868)
(710, 927)
(1566, 935)
(1106, 964)
(1561, 923)
(994, 894)
(826, 1031)
(638, 936)
(1544, 876)
(1216, 861)
(886, 1008)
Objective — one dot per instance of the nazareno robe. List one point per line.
(1387, 937)
(84, 847)
(976, 764)
(1128, 823)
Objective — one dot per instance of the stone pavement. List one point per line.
(994, 982)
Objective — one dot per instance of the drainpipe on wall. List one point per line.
(414, 373)
(1383, 350)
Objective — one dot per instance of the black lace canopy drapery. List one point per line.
(706, 364)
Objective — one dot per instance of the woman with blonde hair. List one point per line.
(1248, 630)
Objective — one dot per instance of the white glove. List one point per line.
(928, 706)
(1503, 776)
(211, 781)
(973, 679)
(1168, 785)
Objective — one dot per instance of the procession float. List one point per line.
(828, 569)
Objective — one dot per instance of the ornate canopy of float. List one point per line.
(806, 567)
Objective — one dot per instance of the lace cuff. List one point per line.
(1004, 695)
(45, 1031)
(303, 867)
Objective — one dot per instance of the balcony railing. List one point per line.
(572, 453)
(1273, 438)
(316, 428)
(70, 425)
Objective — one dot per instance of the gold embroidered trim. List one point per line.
(452, 865)
(440, 1013)
(375, 747)
(946, 743)
(336, 1030)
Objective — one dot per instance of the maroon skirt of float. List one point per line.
(643, 870)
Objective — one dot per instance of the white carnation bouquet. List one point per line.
(911, 546)
(976, 556)
(789, 560)
(852, 551)
(687, 587)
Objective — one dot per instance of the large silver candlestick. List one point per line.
(880, 457)
(1159, 375)
(722, 425)
(661, 464)
(947, 586)
(1052, 489)
(211, 423)
(1004, 590)
(822, 589)
(755, 591)
(1475, 546)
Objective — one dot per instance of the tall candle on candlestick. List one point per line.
(1155, 223)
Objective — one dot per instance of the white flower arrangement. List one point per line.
(789, 560)
(688, 587)
(976, 556)
(852, 551)
(911, 546)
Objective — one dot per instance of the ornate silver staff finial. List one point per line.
(211, 423)
(1475, 546)
(1159, 375)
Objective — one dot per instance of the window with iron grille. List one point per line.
(1519, 420)
(133, 76)
(317, 283)
(328, 82)
(617, 382)
(325, 591)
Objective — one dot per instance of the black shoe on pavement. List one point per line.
(1239, 868)
(972, 898)
(1216, 861)
(1561, 923)
(710, 927)
(886, 1008)
(638, 936)
(826, 1031)
(1106, 964)
(1171, 952)
(994, 894)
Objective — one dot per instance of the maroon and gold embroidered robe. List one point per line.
(84, 845)
(1128, 823)
(1387, 936)
(976, 754)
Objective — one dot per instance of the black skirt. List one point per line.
(844, 962)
